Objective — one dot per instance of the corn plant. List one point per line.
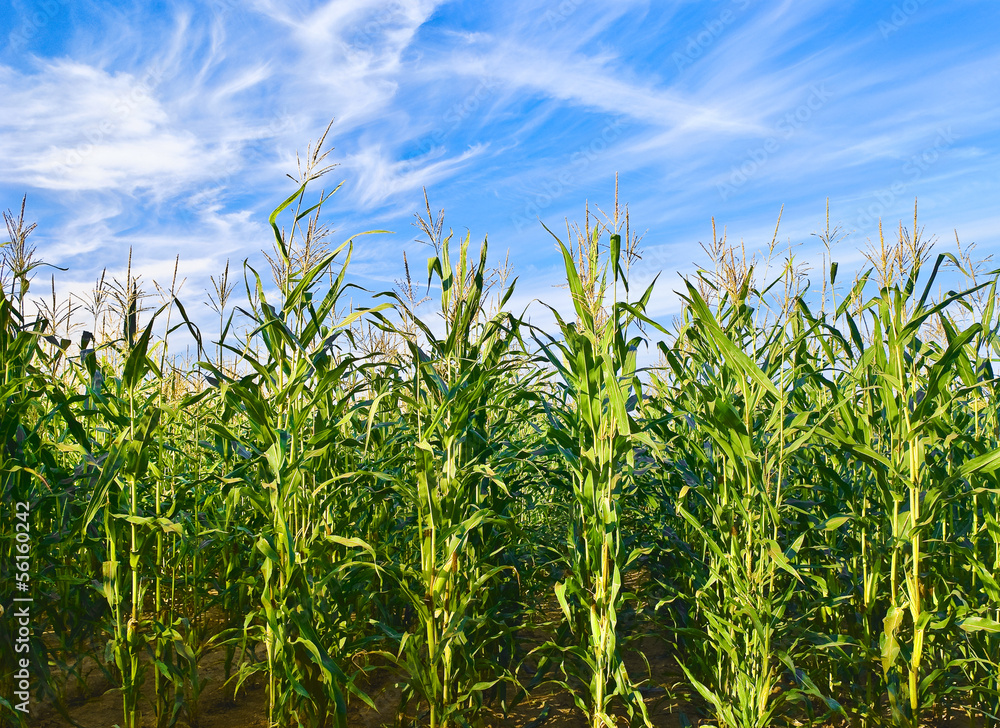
(295, 408)
(128, 408)
(906, 434)
(596, 436)
(462, 397)
(735, 449)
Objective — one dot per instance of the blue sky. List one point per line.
(169, 127)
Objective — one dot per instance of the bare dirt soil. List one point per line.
(94, 703)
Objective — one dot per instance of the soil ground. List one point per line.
(95, 704)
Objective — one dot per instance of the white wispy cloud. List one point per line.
(378, 177)
(171, 129)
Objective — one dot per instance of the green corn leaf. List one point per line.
(979, 624)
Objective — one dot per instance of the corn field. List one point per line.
(796, 505)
